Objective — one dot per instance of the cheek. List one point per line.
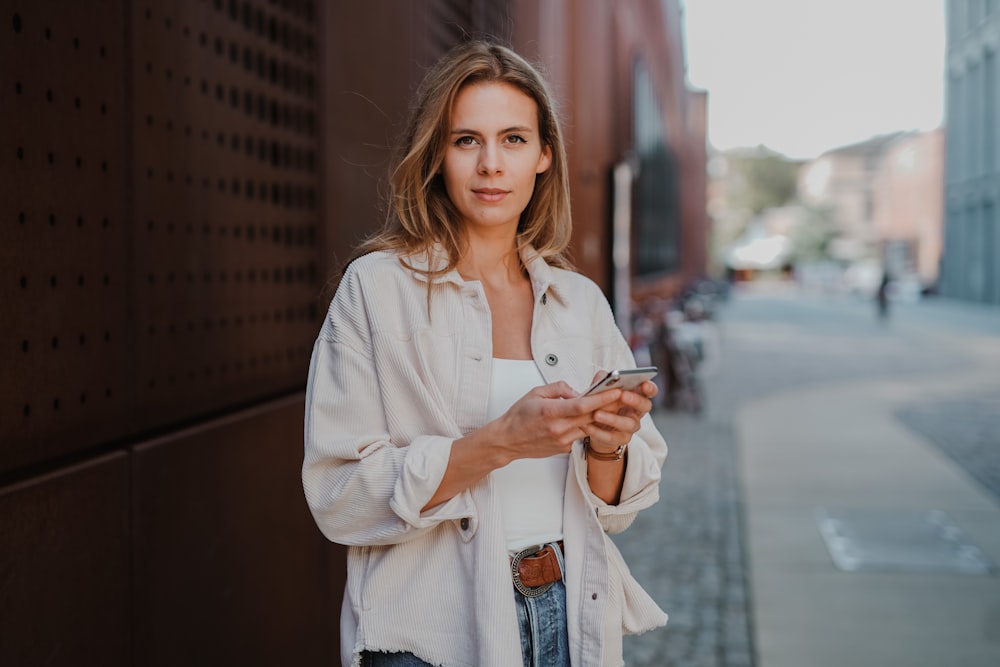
(454, 171)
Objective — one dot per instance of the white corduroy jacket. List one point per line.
(390, 388)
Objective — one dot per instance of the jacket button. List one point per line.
(544, 299)
(594, 596)
(551, 359)
(465, 523)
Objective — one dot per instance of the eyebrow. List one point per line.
(516, 128)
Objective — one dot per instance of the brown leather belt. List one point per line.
(535, 569)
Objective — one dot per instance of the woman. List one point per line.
(445, 440)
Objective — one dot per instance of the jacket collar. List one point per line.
(544, 279)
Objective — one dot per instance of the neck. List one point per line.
(491, 260)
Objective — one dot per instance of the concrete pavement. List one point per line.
(842, 447)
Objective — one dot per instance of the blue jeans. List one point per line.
(541, 620)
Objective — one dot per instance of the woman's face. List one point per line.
(494, 153)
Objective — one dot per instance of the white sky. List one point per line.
(805, 76)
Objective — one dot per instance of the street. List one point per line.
(818, 405)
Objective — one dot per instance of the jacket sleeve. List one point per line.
(647, 449)
(361, 487)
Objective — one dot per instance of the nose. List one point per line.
(490, 159)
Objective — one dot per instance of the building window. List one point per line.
(656, 202)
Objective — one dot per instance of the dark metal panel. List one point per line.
(226, 202)
(64, 339)
(364, 101)
(64, 567)
(229, 565)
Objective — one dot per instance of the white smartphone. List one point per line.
(626, 378)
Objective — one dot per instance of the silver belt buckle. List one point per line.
(516, 576)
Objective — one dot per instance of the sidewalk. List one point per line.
(818, 406)
(841, 448)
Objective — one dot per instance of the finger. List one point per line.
(603, 399)
(556, 390)
(637, 402)
(649, 389)
(617, 422)
(603, 440)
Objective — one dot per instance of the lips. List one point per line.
(490, 194)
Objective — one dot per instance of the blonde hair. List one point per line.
(420, 214)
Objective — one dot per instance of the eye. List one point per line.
(516, 139)
(465, 141)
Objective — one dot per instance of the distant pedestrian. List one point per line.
(882, 296)
(446, 443)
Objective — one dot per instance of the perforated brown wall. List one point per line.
(160, 203)
(226, 204)
(64, 258)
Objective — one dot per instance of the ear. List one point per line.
(544, 160)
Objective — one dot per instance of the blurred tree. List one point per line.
(812, 235)
(769, 180)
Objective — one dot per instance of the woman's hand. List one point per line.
(614, 425)
(548, 419)
(544, 422)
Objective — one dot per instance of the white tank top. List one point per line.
(531, 490)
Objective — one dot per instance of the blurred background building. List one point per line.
(970, 269)
(180, 181)
(836, 222)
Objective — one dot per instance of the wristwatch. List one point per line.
(616, 455)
